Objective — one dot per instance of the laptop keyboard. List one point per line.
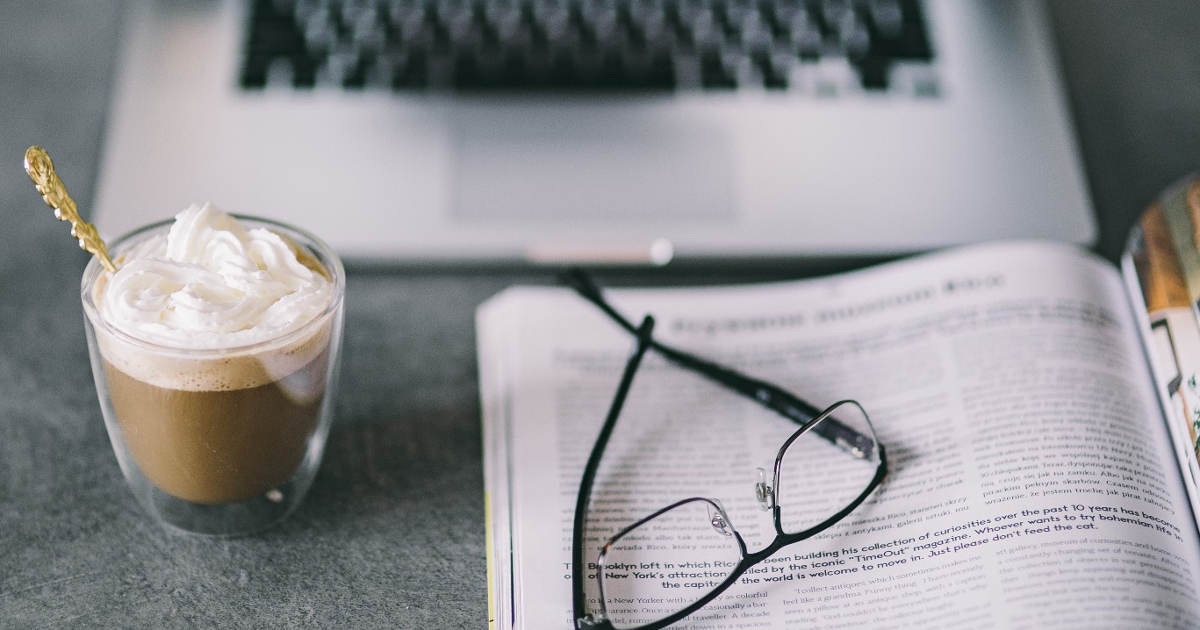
(579, 45)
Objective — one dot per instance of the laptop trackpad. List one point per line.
(589, 163)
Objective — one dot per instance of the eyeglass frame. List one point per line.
(765, 394)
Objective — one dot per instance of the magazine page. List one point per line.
(1162, 271)
(1031, 480)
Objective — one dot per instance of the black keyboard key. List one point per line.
(898, 30)
(412, 73)
(660, 70)
(713, 73)
(773, 78)
(304, 71)
(357, 72)
(873, 72)
(254, 72)
(914, 42)
(466, 72)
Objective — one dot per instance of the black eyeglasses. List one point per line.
(673, 562)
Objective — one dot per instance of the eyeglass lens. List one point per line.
(818, 478)
(667, 563)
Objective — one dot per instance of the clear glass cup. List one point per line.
(218, 441)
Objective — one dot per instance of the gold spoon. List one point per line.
(41, 170)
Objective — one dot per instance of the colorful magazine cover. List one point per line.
(1165, 254)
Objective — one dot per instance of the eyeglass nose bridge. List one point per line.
(763, 492)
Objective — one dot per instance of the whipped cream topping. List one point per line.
(212, 283)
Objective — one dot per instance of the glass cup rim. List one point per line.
(328, 257)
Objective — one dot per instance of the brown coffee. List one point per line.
(219, 445)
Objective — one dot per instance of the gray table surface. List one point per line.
(391, 534)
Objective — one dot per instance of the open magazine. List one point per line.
(1039, 418)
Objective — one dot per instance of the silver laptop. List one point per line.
(599, 130)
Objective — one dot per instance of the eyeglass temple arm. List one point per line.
(593, 462)
(766, 394)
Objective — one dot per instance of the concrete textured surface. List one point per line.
(391, 534)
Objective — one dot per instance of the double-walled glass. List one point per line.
(219, 441)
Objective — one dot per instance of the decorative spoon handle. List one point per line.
(41, 170)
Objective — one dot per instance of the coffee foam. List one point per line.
(211, 283)
(214, 371)
(212, 253)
